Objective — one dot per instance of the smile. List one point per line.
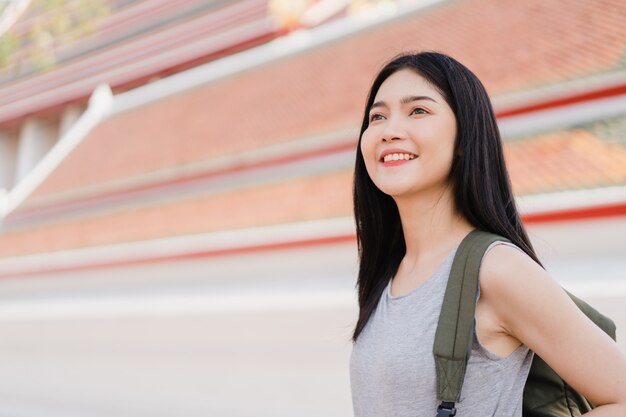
(398, 157)
(393, 159)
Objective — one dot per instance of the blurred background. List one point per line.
(176, 233)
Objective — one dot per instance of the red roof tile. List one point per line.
(510, 45)
(563, 161)
(284, 202)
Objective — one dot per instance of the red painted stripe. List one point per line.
(565, 101)
(584, 213)
(191, 255)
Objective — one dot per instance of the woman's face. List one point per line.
(410, 119)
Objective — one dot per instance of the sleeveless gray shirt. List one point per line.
(392, 369)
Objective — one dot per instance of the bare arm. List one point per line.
(532, 307)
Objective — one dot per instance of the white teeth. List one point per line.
(398, 156)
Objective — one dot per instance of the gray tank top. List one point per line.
(392, 369)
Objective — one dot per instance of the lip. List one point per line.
(393, 150)
(399, 161)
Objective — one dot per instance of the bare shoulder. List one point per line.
(512, 282)
(503, 272)
(531, 306)
(504, 256)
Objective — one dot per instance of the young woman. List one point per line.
(429, 170)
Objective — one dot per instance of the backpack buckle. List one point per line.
(446, 409)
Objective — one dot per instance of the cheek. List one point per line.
(367, 147)
(368, 151)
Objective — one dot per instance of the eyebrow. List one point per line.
(404, 100)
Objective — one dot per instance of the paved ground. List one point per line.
(266, 364)
(280, 363)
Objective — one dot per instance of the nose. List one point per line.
(387, 138)
(393, 131)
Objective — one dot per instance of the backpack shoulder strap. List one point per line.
(453, 338)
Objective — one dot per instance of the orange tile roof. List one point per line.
(277, 203)
(158, 39)
(563, 161)
(124, 21)
(510, 45)
(323, 90)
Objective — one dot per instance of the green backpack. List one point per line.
(545, 393)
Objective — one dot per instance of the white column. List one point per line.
(8, 155)
(36, 139)
(68, 118)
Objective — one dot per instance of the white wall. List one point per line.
(37, 137)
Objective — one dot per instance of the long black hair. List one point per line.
(478, 176)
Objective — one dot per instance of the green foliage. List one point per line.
(54, 23)
(8, 44)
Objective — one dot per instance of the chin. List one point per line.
(395, 191)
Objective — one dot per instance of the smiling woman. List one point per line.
(430, 170)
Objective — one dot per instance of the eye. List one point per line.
(372, 117)
(418, 108)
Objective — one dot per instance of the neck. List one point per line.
(430, 224)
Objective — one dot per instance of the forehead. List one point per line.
(405, 82)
